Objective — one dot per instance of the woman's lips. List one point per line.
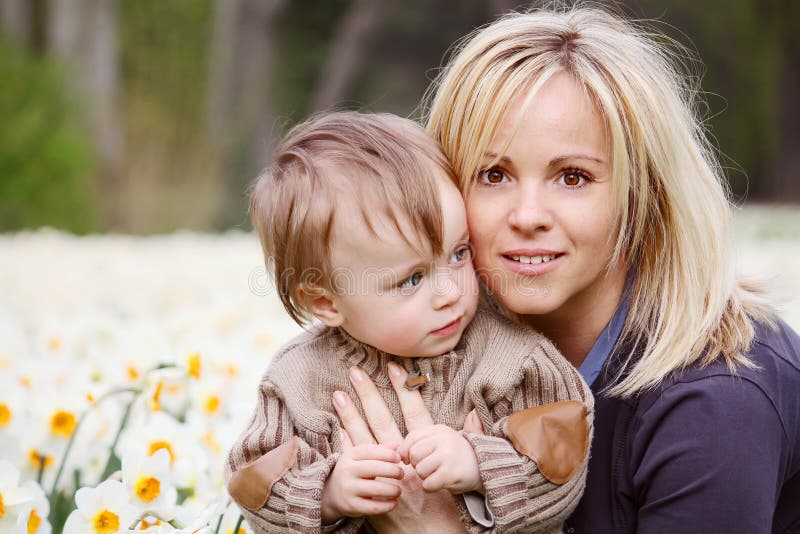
(448, 329)
(531, 262)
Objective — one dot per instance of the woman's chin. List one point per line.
(528, 300)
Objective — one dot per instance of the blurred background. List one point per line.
(147, 116)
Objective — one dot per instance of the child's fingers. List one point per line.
(415, 413)
(420, 450)
(472, 423)
(427, 466)
(364, 506)
(376, 489)
(412, 438)
(375, 468)
(375, 452)
(434, 482)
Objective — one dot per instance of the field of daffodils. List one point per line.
(129, 365)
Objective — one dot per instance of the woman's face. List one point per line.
(542, 220)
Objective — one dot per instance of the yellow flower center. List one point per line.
(240, 531)
(148, 488)
(155, 445)
(33, 522)
(212, 404)
(133, 373)
(2, 507)
(63, 423)
(54, 343)
(36, 459)
(212, 443)
(106, 522)
(144, 525)
(194, 365)
(155, 405)
(5, 414)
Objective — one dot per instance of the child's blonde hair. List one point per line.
(673, 222)
(375, 165)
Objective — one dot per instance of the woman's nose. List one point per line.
(531, 211)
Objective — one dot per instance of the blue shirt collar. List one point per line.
(593, 364)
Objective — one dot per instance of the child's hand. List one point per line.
(443, 459)
(359, 483)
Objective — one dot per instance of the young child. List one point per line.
(364, 230)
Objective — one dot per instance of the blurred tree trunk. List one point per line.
(348, 49)
(240, 110)
(241, 85)
(781, 181)
(15, 19)
(84, 34)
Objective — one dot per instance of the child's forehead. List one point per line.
(375, 238)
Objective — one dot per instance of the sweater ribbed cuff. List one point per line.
(506, 476)
(304, 495)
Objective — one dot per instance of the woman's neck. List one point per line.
(575, 326)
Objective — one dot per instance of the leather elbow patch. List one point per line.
(251, 484)
(555, 436)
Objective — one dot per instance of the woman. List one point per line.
(599, 217)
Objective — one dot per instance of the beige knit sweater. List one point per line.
(498, 368)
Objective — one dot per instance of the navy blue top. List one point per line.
(707, 451)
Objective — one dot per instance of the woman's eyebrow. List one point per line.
(493, 156)
(561, 159)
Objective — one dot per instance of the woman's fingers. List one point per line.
(347, 443)
(357, 430)
(415, 413)
(380, 419)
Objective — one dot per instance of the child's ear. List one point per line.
(320, 303)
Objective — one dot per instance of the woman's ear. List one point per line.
(320, 303)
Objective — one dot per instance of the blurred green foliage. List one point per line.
(740, 68)
(175, 172)
(46, 157)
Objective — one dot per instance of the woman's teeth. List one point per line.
(533, 259)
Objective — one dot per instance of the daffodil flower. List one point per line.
(105, 509)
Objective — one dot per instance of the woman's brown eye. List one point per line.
(572, 179)
(494, 176)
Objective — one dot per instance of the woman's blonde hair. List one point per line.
(674, 215)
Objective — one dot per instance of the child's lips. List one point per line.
(449, 328)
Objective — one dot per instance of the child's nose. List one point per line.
(446, 290)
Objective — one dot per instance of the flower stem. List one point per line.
(71, 441)
(238, 524)
(110, 463)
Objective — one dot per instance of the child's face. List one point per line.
(399, 300)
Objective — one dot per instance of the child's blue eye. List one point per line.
(411, 281)
(462, 254)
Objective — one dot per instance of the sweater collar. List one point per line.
(374, 362)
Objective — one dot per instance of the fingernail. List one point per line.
(356, 374)
(395, 370)
(339, 399)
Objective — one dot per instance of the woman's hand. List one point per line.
(432, 512)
